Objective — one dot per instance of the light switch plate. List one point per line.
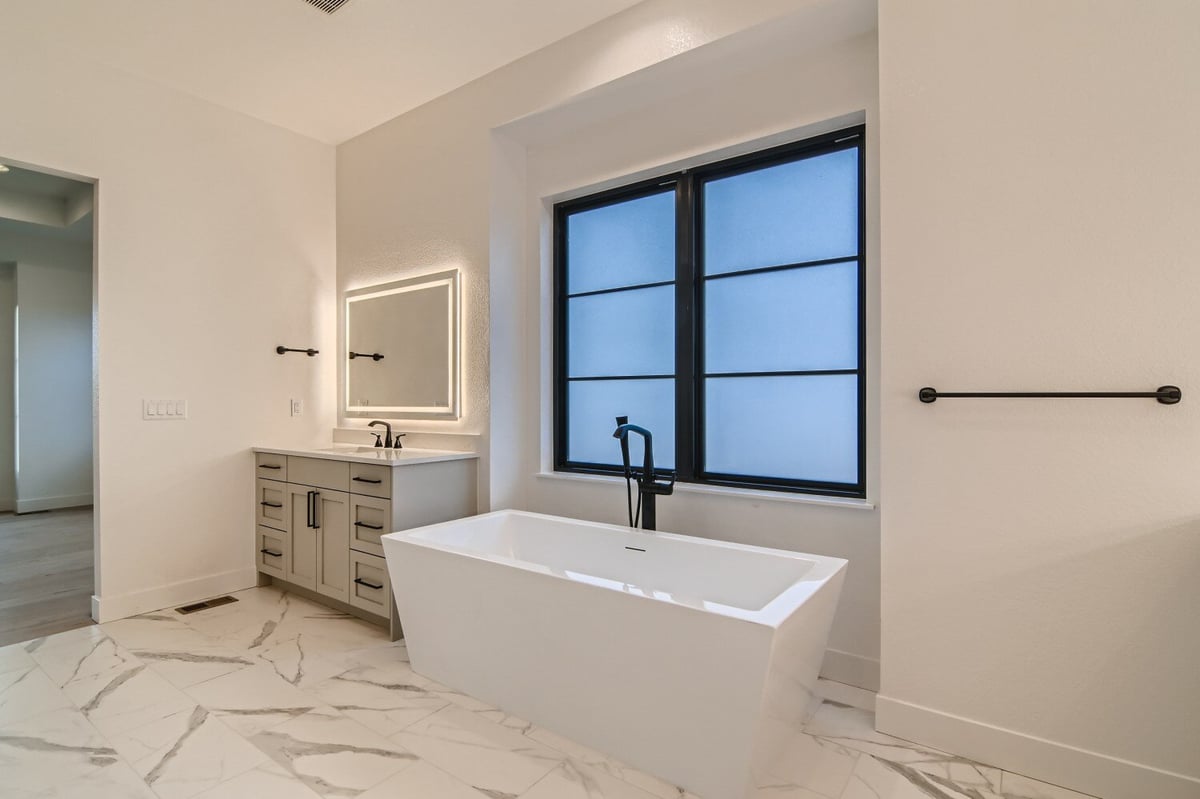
(164, 410)
(297, 407)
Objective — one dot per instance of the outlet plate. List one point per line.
(297, 407)
(164, 410)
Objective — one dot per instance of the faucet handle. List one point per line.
(397, 438)
(378, 442)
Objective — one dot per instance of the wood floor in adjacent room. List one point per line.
(45, 573)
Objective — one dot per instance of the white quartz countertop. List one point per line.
(361, 454)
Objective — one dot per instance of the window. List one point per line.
(722, 309)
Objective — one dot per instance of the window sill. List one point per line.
(725, 491)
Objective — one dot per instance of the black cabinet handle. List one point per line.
(276, 467)
(369, 526)
(316, 522)
(266, 504)
(366, 480)
(308, 509)
(272, 554)
(361, 581)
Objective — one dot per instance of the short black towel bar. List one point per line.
(1167, 395)
(283, 350)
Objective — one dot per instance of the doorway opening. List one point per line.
(47, 463)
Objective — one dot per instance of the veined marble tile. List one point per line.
(477, 706)
(173, 649)
(879, 779)
(574, 780)
(252, 622)
(385, 699)
(267, 781)
(117, 781)
(126, 699)
(423, 781)
(28, 692)
(79, 634)
(186, 753)
(332, 754)
(809, 763)
(1014, 786)
(852, 729)
(15, 657)
(253, 699)
(601, 762)
(50, 749)
(479, 752)
(82, 661)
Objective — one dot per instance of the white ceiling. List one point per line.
(328, 76)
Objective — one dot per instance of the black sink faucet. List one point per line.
(649, 487)
(387, 442)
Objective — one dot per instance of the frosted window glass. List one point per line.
(623, 333)
(802, 428)
(626, 244)
(595, 403)
(794, 320)
(792, 213)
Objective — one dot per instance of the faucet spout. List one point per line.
(622, 432)
(387, 441)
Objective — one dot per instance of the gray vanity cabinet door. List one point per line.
(333, 536)
(302, 554)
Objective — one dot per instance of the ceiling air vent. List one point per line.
(328, 6)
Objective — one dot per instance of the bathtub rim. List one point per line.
(774, 613)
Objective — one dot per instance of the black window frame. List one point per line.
(689, 284)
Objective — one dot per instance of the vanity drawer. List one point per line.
(370, 588)
(270, 501)
(370, 517)
(271, 552)
(371, 479)
(318, 472)
(269, 466)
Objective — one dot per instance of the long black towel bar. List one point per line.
(1167, 395)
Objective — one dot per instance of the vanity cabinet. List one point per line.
(318, 520)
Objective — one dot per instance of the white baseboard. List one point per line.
(1049, 761)
(856, 670)
(52, 503)
(108, 608)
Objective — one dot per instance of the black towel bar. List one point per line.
(1167, 395)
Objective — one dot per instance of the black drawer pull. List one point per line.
(361, 581)
(272, 554)
(366, 480)
(369, 526)
(266, 504)
(269, 466)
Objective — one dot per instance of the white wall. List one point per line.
(1041, 559)
(705, 109)
(215, 243)
(53, 370)
(451, 184)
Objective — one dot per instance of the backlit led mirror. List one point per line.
(402, 348)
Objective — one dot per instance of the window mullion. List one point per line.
(685, 328)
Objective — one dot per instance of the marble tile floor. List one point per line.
(277, 697)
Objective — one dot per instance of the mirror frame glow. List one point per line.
(450, 279)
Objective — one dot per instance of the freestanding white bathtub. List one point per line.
(693, 660)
